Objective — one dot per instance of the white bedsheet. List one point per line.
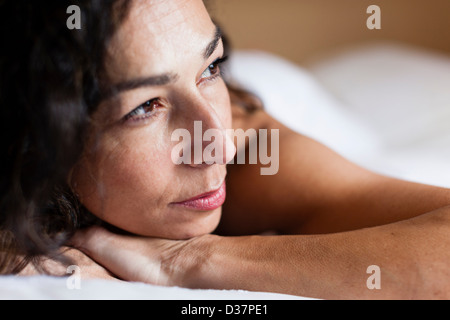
(401, 93)
(386, 107)
(52, 288)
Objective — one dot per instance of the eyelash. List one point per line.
(135, 115)
(215, 69)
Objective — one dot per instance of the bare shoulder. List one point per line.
(278, 202)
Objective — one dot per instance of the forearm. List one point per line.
(412, 256)
(377, 201)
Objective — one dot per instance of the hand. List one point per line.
(89, 268)
(139, 259)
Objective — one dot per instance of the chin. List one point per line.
(181, 225)
(206, 223)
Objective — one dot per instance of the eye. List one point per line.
(213, 69)
(144, 111)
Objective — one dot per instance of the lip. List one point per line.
(206, 201)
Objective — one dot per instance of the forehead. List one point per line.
(158, 32)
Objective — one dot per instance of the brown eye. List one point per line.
(213, 69)
(144, 111)
(210, 71)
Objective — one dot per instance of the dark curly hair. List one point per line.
(50, 84)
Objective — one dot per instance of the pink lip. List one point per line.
(206, 201)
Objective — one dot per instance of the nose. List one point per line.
(211, 146)
(211, 143)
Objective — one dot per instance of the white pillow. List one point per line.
(403, 94)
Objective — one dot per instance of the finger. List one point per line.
(127, 257)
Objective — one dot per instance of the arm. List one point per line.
(413, 256)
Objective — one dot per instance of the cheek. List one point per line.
(126, 175)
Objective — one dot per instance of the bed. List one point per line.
(385, 106)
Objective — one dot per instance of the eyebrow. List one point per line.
(163, 79)
(160, 80)
(212, 46)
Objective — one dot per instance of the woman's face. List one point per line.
(162, 70)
